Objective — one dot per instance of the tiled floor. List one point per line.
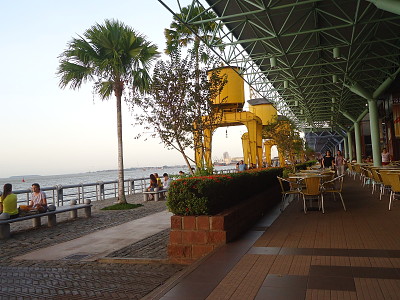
(336, 255)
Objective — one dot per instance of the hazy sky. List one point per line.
(46, 130)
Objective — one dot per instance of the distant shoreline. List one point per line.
(183, 167)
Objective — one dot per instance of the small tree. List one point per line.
(178, 98)
(286, 137)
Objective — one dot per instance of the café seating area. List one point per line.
(312, 184)
(320, 184)
(382, 181)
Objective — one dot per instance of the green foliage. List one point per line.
(180, 35)
(121, 206)
(286, 136)
(286, 172)
(203, 172)
(205, 195)
(111, 55)
(180, 94)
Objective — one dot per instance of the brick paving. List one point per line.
(74, 279)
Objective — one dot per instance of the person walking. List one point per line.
(339, 163)
(328, 160)
(386, 157)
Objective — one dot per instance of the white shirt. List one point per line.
(166, 184)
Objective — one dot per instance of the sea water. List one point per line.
(25, 182)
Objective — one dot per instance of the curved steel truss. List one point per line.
(304, 55)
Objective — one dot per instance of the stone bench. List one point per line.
(155, 194)
(51, 217)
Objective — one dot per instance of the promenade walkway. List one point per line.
(336, 255)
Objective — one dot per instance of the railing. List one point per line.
(62, 194)
(227, 171)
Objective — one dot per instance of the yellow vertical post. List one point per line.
(252, 129)
(267, 145)
(246, 148)
(259, 145)
(207, 147)
(281, 158)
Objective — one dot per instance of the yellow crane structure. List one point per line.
(230, 113)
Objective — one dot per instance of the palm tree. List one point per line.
(114, 57)
(180, 35)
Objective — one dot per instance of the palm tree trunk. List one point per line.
(121, 190)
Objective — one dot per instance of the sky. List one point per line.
(47, 130)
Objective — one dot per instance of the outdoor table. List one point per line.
(301, 176)
(310, 171)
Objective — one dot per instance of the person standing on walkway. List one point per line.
(386, 157)
(328, 160)
(339, 163)
(8, 202)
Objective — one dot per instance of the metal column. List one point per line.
(357, 135)
(350, 144)
(374, 124)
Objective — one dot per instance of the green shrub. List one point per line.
(206, 195)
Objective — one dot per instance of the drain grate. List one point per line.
(76, 256)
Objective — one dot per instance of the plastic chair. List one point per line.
(395, 186)
(333, 186)
(387, 185)
(312, 190)
(357, 170)
(350, 170)
(285, 192)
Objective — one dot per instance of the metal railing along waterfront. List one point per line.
(60, 195)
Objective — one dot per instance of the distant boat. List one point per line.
(23, 179)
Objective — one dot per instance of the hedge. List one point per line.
(208, 195)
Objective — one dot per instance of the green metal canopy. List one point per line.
(317, 60)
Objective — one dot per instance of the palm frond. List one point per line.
(111, 52)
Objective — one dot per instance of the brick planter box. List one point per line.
(192, 237)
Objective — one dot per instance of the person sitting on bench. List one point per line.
(153, 185)
(38, 200)
(8, 202)
(166, 183)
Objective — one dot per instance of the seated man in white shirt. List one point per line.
(166, 182)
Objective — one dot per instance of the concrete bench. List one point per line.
(51, 217)
(155, 194)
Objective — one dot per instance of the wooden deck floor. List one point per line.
(353, 254)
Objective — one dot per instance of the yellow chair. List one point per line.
(357, 170)
(312, 190)
(285, 192)
(378, 180)
(387, 185)
(350, 170)
(333, 186)
(395, 186)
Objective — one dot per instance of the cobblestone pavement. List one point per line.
(73, 279)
